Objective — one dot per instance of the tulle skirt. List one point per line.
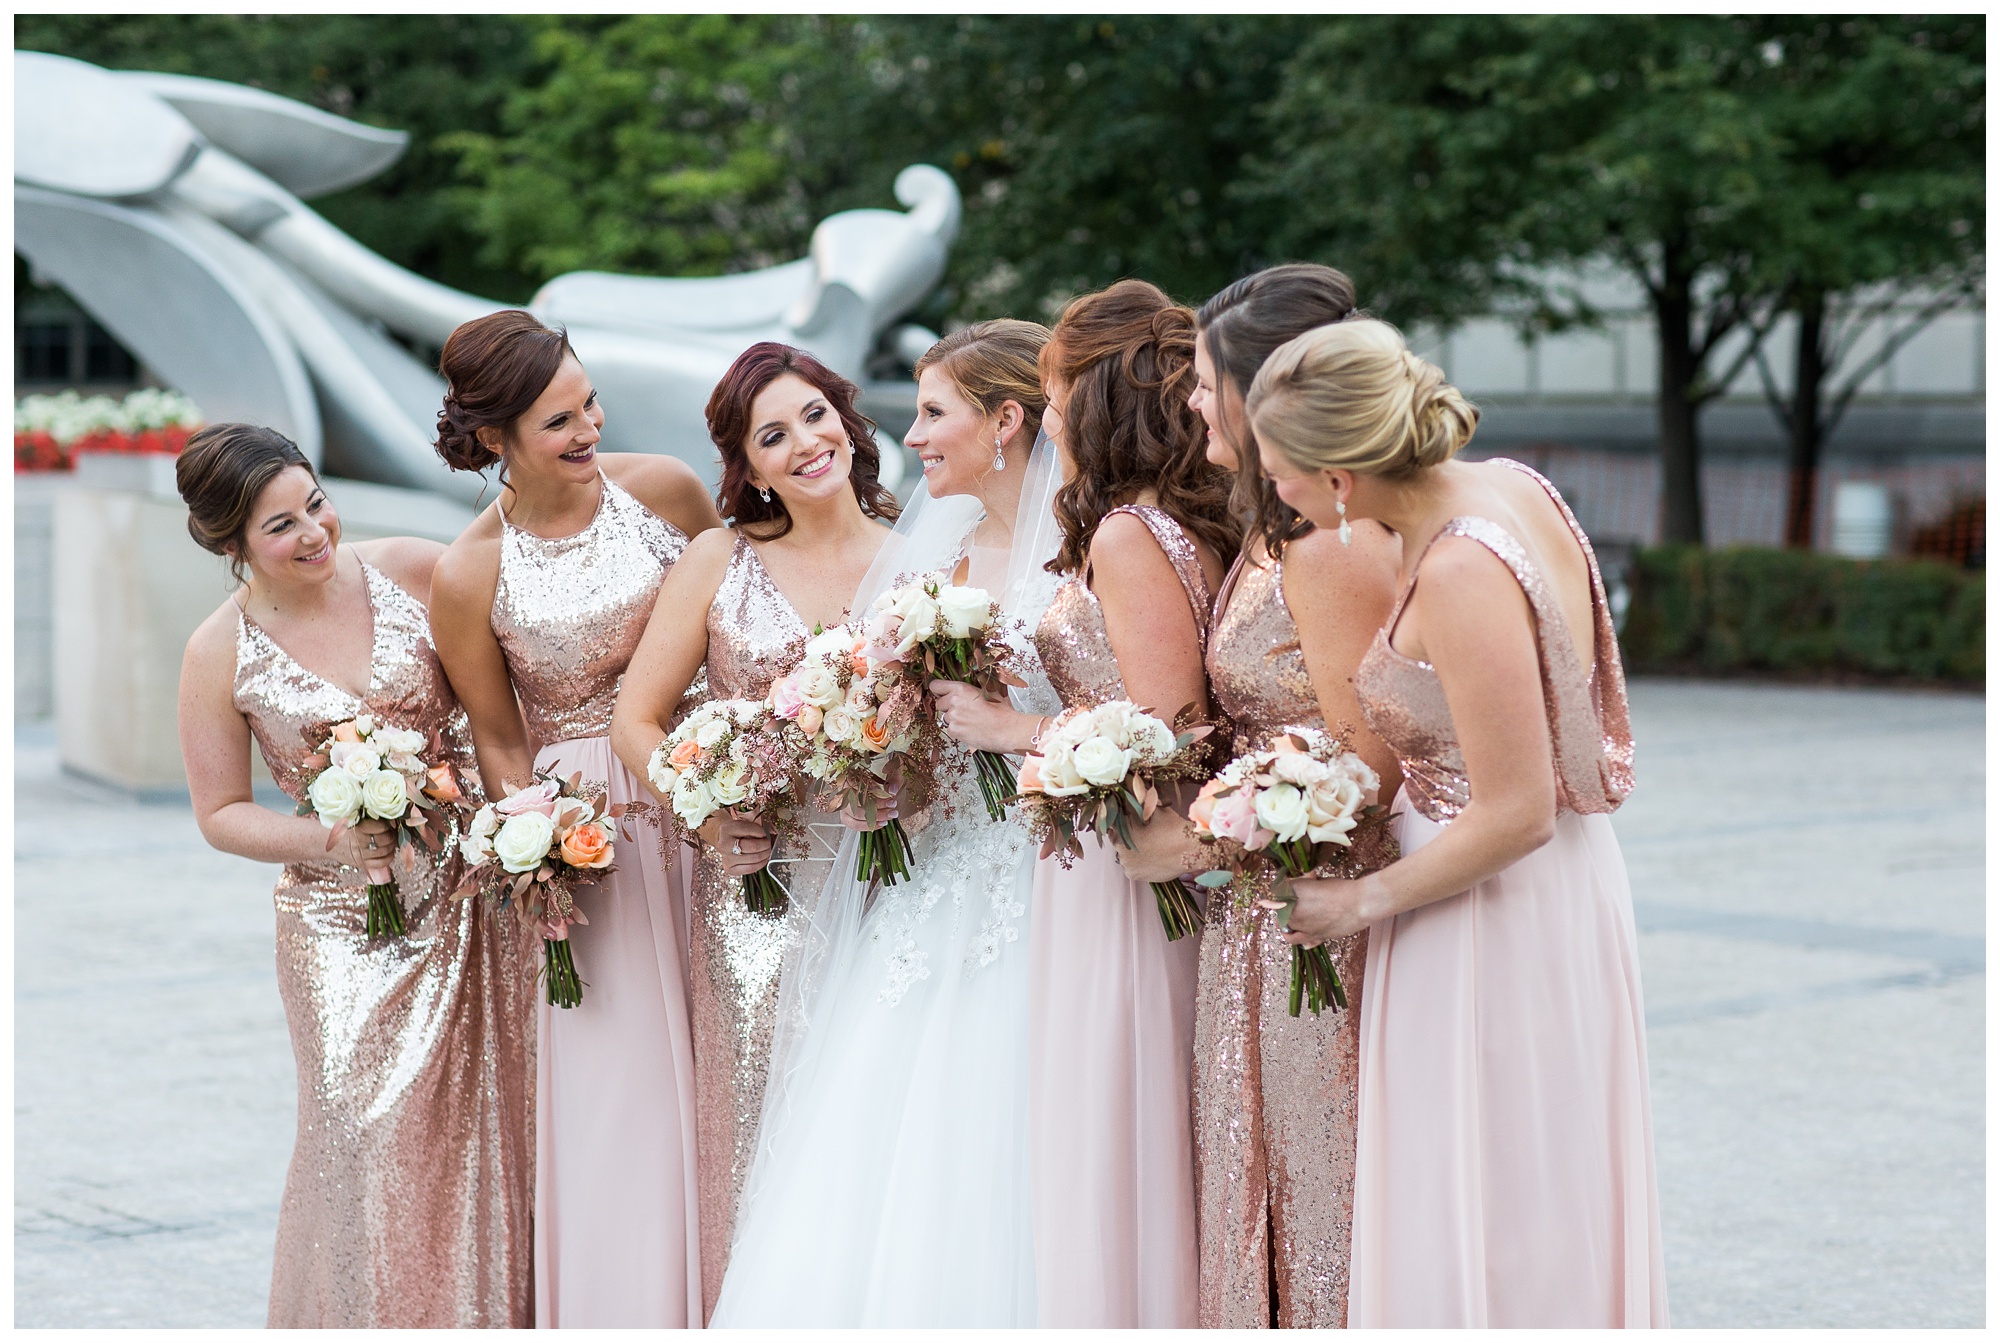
(1504, 1175)
(1111, 1147)
(890, 1188)
(617, 1244)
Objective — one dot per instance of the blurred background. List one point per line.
(1721, 278)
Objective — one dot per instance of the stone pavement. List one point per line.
(1809, 873)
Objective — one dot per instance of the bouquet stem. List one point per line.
(559, 971)
(762, 894)
(1315, 982)
(996, 782)
(1178, 912)
(885, 855)
(385, 911)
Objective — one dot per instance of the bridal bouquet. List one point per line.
(1099, 770)
(535, 846)
(937, 629)
(858, 734)
(728, 754)
(370, 771)
(1289, 809)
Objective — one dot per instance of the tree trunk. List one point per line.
(1680, 439)
(1805, 426)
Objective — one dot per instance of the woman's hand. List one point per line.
(982, 724)
(742, 843)
(368, 845)
(1162, 849)
(1330, 908)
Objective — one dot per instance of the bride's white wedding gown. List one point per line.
(891, 1181)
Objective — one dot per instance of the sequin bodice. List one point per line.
(1074, 645)
(1256, 669)
(289, 708)
(754, 635)
(569, 611)
(1590, 727)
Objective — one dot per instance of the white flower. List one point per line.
(523, 842)
(713, 729)
(1331, 803)
(475, 850)
(484, 822)
(1101, 761)
(730, 785)
(406, 740)
(860, 699)
(1060, 777)
(1281, 809)
(1071, 729)
(336, 796)
(358, 758)
(830, 646)
(692, 801)
(385, 795)
(1299, 770)
(919, 611)
(659, 773)
(570, 812)
(841, 725)
(405, 763)
(745, 711)
(819, 687)
(963, 612)
(364, 723)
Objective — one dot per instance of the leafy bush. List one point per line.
(1749, 609)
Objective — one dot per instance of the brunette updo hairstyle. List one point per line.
(1125, 357)
(494, 368)
(729, 429)
(220, 473)
(1241, 326)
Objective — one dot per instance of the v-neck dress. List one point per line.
(407, 1204)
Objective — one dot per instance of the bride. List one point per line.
(890, 1185)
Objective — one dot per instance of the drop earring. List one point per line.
(1346, 532)
(999, 454)
(765, 490)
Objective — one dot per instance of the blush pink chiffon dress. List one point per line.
(1504, 1170)
(1110, 1037)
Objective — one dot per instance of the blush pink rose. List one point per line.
(541, 798)
(786, 701)
(1234, 817)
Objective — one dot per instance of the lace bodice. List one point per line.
(569, 611)
(1256, 669)
(1590, 727)
(1075, 648)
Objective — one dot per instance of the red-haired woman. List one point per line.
(536, 609)
(800, 490)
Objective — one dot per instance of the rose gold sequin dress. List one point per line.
(1274, 1094)
(408, 1199)
(1505, 1168)
(1110, 1038)
(754, 637)
(616, 1236)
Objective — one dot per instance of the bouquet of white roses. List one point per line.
(1288, 809)
(1098, 770)
(368, 770)
(858, 735)
(535, 846)
(936, 629)
(728, 754)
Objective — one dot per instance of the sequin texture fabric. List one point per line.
(407, 1204)
(736, 956)
(1274, 1095)
(569, 611)
(1590, 727)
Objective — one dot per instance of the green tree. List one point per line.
(430, 75)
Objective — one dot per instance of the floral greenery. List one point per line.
(1748, 609)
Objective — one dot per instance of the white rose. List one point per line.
(1072, 730)
(523, 842)
(1150, 740)
(1281, 809)
(745, 711)
(920, 617)
(819, 687)
(484, 822)
(358, 758)
(475, 850)
(1301, 771)
(860, 699)
(659, 773)
(404, 763)
(963, 612)
(1331, 804)
(407, 740)
(1101, 761)
(364, 723)
(1060, 776)
(713, 729)
(841, 725)
(730, 784)
(336, 796)
(385, 795)
(570, 812)
(692, 801)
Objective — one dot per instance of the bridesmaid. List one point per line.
(408, 1199)
(1145, 521)
(1274, 1093)
(801, 490)
(537, 608)
(1505, 1171)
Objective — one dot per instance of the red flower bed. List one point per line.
(39, 451)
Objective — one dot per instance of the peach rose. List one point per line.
(1202, 810)
(587, 846)
(442, 785)
(1031, 774)
(809, 719)
(346, 731)
(875, 734)
(685, 753)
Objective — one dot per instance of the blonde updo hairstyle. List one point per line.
(992, 363)
(1352, 397)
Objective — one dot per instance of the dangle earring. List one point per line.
(999, 454)
(766, 492)
(1346, 532)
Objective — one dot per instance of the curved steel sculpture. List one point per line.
(173, 210)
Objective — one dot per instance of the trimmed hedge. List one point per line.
(1747, 608)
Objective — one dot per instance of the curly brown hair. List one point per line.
(1124, 358)
(729, 428)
